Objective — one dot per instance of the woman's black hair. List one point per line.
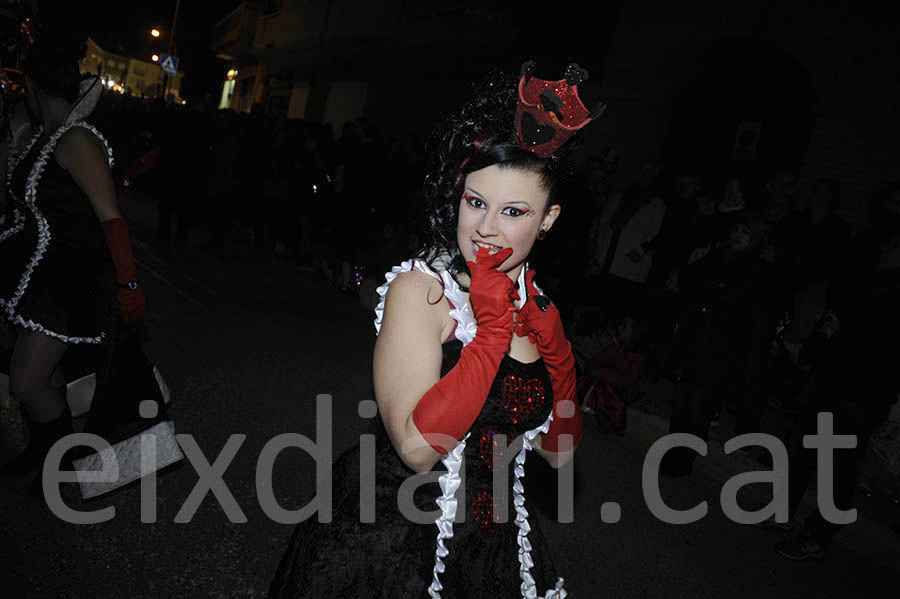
(52, 62)
(478, 135)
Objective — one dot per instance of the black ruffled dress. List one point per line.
(491, 554)
(56, 275)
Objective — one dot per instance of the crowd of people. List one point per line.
(751, 295)
(272, 182)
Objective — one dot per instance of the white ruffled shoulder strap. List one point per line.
(451, 480)
(465, 329)
(89, 91)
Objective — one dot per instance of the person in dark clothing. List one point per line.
(255, 156)
(855, 380)
(820, 253)
(762, 378)
(716, 295)
(185, 161)
(221, 203)
(687, 232)
(66, 259)
(676, 237)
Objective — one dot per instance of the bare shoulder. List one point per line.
(78, 145)
(416, 283)
(415, 292)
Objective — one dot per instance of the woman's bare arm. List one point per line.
(81, 153)
(555, 459)
(407, 363)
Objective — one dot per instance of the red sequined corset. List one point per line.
(520, 400)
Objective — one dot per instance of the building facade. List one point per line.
(124, 74)
(334, 60)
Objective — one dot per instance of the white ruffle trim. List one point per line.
(465, 329)
(89, 92)
(451, 481)
(465, 321)
(16, 226)
(43, 230)
(18, 220)
(528, 586)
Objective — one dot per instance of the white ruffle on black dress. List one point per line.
(56, 275)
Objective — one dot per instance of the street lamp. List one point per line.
(155, 58)
(154, 32)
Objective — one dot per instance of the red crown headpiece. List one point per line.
(550, 112)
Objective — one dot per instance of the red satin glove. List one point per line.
(545, 329)
(132, 303)
(447, 410)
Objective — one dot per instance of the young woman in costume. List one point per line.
(471, 370)
(65, 252)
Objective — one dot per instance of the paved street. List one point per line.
(246, 347)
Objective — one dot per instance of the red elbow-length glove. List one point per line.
(132, 303)
(449, 408)
(540, 321)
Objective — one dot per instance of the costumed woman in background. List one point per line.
(468, 349)
(65, 252)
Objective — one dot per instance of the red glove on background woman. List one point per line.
(132, 303)
(540, 321)
(447, 410)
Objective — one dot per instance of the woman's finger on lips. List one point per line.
(486, 259)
